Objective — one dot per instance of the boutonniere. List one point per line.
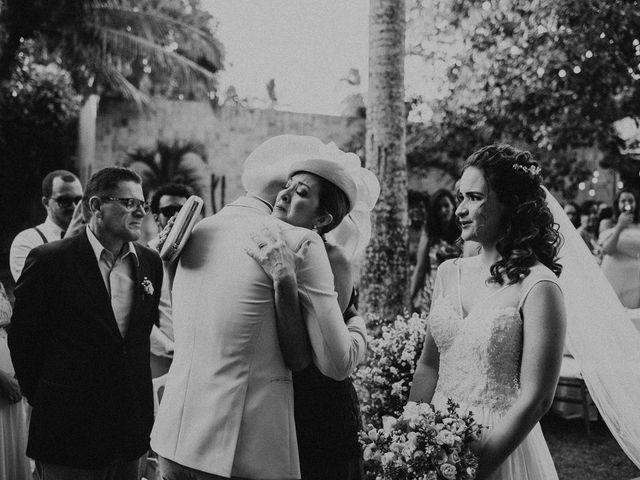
(147, 286)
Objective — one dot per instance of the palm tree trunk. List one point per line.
(86, 160)
(384, 281)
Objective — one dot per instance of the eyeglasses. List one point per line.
(170, 210)
(66, 202)
(131, 204)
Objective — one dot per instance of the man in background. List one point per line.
(79, 339)
(61, 192)
(165, 203)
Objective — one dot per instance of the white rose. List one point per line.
(448, 471)
(369, 452)
(445, 437)
(388, 423)
(388, 457)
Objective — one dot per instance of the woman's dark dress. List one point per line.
(327, 418)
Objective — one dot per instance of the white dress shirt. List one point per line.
(162, 335)
(119, 278)
(29, 239)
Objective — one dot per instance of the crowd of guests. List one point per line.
(610, 232)
(256, 328)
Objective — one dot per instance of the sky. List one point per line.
(307, 46)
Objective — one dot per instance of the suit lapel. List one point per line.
(91, 278)
(137, 299)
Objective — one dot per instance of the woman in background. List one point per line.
(14, 463)
(437, 244)
(620, 246)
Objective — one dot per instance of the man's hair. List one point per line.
(171, 189)
(47, 182)
(107, 179)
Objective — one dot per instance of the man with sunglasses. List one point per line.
(61, 192)
(166, 202)
(79, 338)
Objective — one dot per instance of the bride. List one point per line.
(496, 330)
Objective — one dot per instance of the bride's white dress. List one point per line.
(480, 355)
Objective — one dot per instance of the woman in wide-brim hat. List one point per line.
(331, 194)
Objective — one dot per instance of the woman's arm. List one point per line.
(609, 242)
(543, 342)
(279, 262)
(423, 265)
(342, 275)
(425, 377)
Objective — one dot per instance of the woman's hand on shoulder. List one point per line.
(274, 255)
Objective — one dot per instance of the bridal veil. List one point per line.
(601, 337)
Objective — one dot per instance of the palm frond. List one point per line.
(124, 44)
(157, 25)
(114, 77)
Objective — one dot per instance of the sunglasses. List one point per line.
(131, 204)
(170, 210)
(66, 202)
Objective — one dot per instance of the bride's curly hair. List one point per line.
(529, 233)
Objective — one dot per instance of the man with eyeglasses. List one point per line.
(61, 192)
(79, 338)
(166, 202)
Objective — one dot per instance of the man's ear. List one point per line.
(45, 202)
(323, 220)
(94, 206)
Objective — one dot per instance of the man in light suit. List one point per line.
(79, 339)
(227, 409)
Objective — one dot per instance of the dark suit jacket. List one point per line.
(90, 388)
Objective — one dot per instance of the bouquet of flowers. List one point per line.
(422, 444)
(383, 382)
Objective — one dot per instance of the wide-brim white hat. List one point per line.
(344, 170)
(360, 185)
(270, 161)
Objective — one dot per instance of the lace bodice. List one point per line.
(480, 353)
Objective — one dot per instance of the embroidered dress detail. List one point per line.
(480, 359)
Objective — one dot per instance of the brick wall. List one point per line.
(229, 133)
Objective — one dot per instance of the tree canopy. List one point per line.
(116, 44)
(551, 75)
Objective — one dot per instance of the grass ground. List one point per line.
(578, 457)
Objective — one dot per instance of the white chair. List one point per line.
(572, 390)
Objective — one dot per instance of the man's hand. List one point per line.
(77, 224)
(274, 256)
(158, 241)
(9, 388)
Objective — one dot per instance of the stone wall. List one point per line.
(229, 133)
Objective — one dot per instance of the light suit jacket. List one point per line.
(228, 404)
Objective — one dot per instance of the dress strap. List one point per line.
(527, 288)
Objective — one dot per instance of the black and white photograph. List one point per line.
(319, 240)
